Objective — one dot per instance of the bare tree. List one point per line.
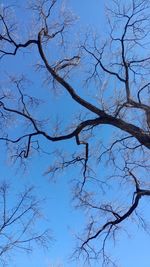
(18, 222)
(110, 131)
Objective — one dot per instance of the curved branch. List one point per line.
(65, 84)
(115, 222)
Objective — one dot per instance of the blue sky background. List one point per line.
(131, 249)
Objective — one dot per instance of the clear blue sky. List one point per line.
(132, 250)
